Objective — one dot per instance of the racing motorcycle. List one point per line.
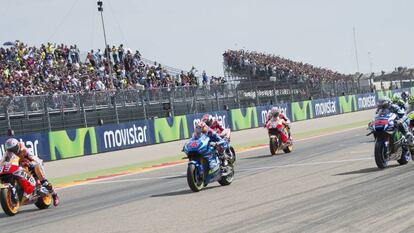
(389, 142)
(14, 182)
(274, 129)
(204, 165)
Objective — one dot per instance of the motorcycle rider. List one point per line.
(33, 162)
(202, 129)
(216, 126)
(398, 100)
(384, 106)
(276, 115)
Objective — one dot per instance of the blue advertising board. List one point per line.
(366, 101)
(325, 107)
(124, 135)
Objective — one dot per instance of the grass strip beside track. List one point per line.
(150, 165)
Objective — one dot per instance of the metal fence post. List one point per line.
(49, 125)
(8, 117)
(85, 121)
(171, 99)
(115, 108)
(217, 99)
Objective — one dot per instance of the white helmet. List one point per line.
(12, 145)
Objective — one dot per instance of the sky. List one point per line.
(185, 33)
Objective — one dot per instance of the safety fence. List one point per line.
(71, 143)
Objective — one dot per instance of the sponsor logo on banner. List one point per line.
(367, 102)
(244, 118)
(347, 103)
(125, 136)
(72, 143)
(170, 129)
(302, 110)
(325, 108)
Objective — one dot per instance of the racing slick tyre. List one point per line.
(381, 154)
(405, 157)
(44, 202)
(9, 204)
(273, 146)
(226, 180)
(231, 155)
(194, 180)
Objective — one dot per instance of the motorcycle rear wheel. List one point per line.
(194, 182)
(7, 204)
(44, 202)
(226, 180)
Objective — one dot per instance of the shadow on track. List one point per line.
(176, 177)
(260, 156)
(182, 192)
(25, 211)
(365, 170)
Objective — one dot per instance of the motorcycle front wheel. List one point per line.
(273, 146)
(381, 154)
(194, 179)
(9, 205)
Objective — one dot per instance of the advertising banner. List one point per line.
(124, 135)
(366, 101)
(347, 104)
(72, 143)
(263, 112)
(244, 118)
(325, 107)
(170, 129)
(301, 110)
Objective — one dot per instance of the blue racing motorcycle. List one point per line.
(204, 165)
(389, 143)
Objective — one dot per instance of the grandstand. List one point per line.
(55, 87)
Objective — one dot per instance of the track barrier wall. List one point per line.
(72, 143)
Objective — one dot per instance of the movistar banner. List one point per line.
(72, 143)
(125, 135)
(264, 111)
(347, 104)
(170, 129)
(366, 101)
(325, 107)
(222, 116)
(244, 118)
(302, 110)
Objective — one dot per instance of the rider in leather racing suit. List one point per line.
(276, 115)
(202, 128)
(385, 105)
(216, 126)
(33, 162)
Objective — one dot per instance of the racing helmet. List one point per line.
(12, 145)
(411, 100)
(275, 111)
(208, 119)
(384, 103)
(200, 128)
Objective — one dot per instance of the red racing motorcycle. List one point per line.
(18, 187)
(275, 129)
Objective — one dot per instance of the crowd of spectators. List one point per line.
(255, 64)
(51, 69)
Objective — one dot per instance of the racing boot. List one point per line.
(50, 188)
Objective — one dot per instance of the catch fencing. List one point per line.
(69, 143)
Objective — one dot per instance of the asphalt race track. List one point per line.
(327, 184)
